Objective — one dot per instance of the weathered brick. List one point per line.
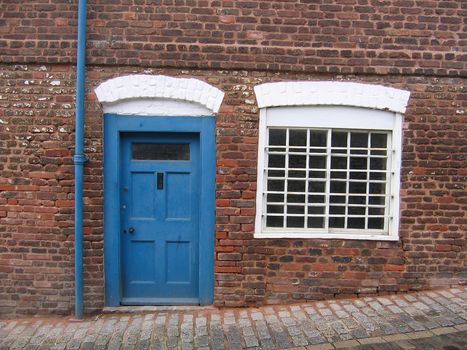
(233, 50)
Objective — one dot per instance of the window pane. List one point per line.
(337, 199)
(376, 223)
(274, 197)
(275, 209)
(358, 151)
(338, 174)
(314, 186)
(275, 185)
(316, 210)
(297, 137)
(359, 163)
(377, 176)
(378, 163)
(318, 138)
(274, 221)
(376, 200)
(276, 173)
(357, 200)
(336, 222)
(297, 174)
(316, 174)
(356, 223)
(357, 187)
(356, 210)
(277, 137)
(377, 188)
(317, 162)
(296, 186)
(295, 221)
(338, 187)
(359, 140)
(160, 151)
(378, 152)
(276, 161)
(339, 139)
(358, 143)
(295, 209)
(358, 175)
(297, 161)
(379, 140)
(315, 222)
(316, 199)
(295, 198)
(336, 210)
(376, 211)
(338, 162)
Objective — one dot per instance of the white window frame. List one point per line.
(331, 105)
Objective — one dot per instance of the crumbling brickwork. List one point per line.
(232, 45)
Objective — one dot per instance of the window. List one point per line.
(328, 172)
(326, 179)
(160, 151)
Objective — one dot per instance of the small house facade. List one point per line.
(238, 153)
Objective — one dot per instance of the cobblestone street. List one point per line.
(425, 320)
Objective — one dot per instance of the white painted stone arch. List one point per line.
(159, 95)
(331, 93)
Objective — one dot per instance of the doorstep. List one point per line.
(155, 309)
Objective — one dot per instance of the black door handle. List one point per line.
(131, 230)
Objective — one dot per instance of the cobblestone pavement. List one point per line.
(425, 320)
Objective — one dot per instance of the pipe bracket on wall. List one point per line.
(80, 159)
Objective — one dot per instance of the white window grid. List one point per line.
(329, 152)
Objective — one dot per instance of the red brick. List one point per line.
(36, 190)
(392, 267)
(443, 247)
(65, 203)
(219, 269)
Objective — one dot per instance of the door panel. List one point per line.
(142, 186)
(178, 263)
(178, 203)
(160, 218)
(146, 252)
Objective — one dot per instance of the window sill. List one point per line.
(323, 235)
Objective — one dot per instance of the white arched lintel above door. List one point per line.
(160, 95)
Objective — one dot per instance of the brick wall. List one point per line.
(341, 36)
(233, 45)
(36, 196)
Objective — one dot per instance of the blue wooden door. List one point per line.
(160, 183)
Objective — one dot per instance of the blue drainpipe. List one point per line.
(79, 158)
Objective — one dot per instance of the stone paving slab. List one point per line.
(424, 320)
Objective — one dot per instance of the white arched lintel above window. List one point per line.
(323, 93)
(158, 95)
